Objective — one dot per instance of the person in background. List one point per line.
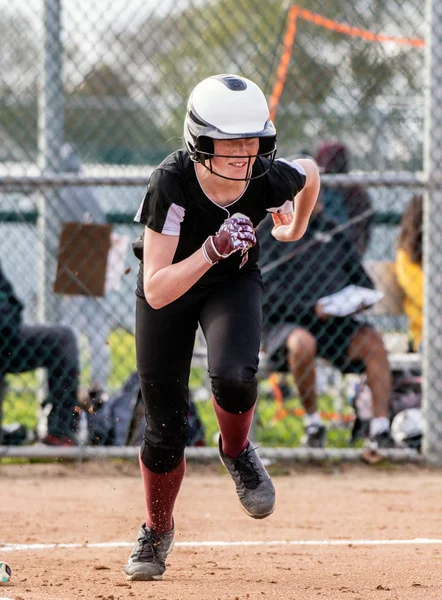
(199, 266)
(345, 203)
(408, 267)
(297, 330)
(27, 347)
(87, 315)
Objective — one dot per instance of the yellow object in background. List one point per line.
(411, 279)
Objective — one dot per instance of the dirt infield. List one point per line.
(337, 511)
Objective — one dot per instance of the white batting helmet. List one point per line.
(227, 107)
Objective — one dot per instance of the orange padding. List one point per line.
(282, 412)
(289, 38)
(369, 36)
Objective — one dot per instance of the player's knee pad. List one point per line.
(162, 454)
(235, 394)
(167, 428)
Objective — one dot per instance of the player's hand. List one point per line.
(236, 233)
(283, 228)
(281, 223)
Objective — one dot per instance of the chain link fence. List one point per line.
(92, 100)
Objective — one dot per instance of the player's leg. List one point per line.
(231, 322)
(164, 340)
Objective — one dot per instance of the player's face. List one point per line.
(237, 157)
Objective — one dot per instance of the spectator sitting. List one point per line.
(28, 347)
(296, 330)
(409, 271)
(344, 203)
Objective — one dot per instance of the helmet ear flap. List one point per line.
(267, 145)
(205, 144)
(197, 145)
(204, 148)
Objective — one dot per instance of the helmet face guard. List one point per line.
(267, 149)
(233, 108)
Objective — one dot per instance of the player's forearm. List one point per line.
(305, 200)
(171, 282)
(293, 228)
(164, 281)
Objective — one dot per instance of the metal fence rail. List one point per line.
(207, 455)
(32, 182)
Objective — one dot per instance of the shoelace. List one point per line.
(146, 547)
(247, 470)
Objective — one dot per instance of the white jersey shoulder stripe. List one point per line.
(293, 164)
(284, 209)
(138, 215)
(175, 216)
(172, 223)
(288, 205)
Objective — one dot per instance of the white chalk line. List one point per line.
(4, 547)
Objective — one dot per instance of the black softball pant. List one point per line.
(230, 316)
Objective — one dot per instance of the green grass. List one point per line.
(21, 403)
(271, 431)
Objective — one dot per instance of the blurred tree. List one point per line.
(18, 49)
(334, 82)
(336, 85)
(103, 80)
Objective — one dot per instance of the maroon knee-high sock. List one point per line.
(234, 429)
(161, 491)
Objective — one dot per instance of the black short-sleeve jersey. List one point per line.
(175, 204)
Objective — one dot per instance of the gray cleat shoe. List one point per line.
(148, 558)
(253, 484)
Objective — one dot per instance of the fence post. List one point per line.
(432, 364)
(50, 140)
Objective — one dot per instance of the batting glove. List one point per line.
(236, 233)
